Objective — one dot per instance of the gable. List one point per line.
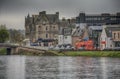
(42, 19)
(103, 34)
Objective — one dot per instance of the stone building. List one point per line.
(42, 28)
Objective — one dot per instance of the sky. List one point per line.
(13, 12)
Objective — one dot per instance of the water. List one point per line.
(34, 67)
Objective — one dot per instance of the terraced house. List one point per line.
(42, 28)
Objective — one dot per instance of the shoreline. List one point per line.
(115, 54)
(68, 53)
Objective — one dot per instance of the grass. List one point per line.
(57, 53)
(78, 53)
(3, 51)
(68, 53)
(93, 53)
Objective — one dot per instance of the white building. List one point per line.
(109, 35)
(65, 36)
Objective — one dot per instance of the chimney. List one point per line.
(43, 12)
(57, 13)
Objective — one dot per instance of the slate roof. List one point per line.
(65, 31)
(52, 18)
(110, 29)
(78, 32)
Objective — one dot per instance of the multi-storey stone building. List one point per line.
(42, 28)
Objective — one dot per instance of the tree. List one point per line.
(4, 35)
(16, 36)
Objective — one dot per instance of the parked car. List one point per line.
(34, 44)
(63, 47)
(51, 47)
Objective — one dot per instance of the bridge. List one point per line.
(15, 49)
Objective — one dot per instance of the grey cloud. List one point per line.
(68, 8)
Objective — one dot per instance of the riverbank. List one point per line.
(3, 51)
(91, 53)
(66, 53)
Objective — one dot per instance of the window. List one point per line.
(46, 28)
(53, 27)
(105, 41)
(117, 44)
(65, 37)
(118, 35)
(46, 35)
(110, 45)
(39, 27)
(114, 35)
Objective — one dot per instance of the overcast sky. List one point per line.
(13, 12)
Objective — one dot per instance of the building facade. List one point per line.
(65, 36)
(94, 34)
(80, 34)
(98, 19)
(42, 28)
(65, 31)
(110, 37)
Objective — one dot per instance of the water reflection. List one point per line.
(34, 67)
(12, 67)
(15, 67)
(3, 68)
(42, 67)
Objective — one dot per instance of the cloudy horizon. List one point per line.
(13, 12)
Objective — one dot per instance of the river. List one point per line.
(53, 67)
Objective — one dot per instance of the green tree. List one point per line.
(16, 36)
(4, 35)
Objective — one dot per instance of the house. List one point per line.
(65, 36)
(94, 34)
(79, 33)
(65, 31)
(110, 37)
